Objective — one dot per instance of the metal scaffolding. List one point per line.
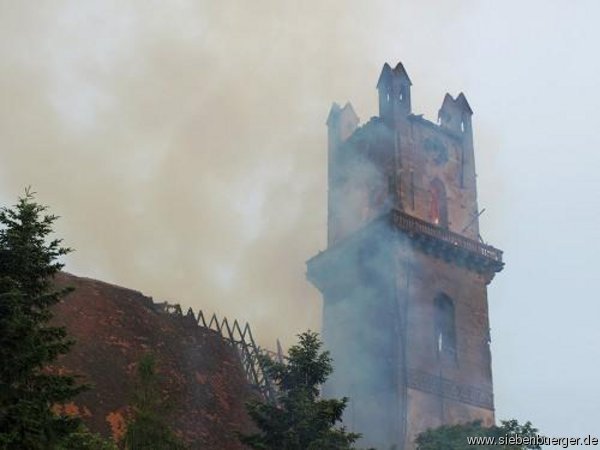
(240, 338)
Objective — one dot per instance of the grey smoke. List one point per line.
(185, 148)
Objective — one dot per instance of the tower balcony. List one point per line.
(446, 243)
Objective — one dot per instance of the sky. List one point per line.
(183, 144)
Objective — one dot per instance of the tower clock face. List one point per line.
(437, 150)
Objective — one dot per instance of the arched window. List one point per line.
(445, 332)
(439, 204)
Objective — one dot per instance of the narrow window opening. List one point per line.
(412, 189)
(462, 167)
(462, 126)
(438, 212)
(398, 149)
(445, 330)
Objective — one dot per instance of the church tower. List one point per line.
(405, 273)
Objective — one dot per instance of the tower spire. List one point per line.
(394, 93)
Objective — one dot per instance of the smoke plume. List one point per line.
(184, 145)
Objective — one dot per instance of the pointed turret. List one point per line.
(456, 114)
(341, 123)
(401, 73)
(385, 78)
(394, 93)
(334, 113)
(462, 102)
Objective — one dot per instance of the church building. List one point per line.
(405, 273)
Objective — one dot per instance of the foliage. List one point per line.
(84, 439)
(301, 420)
(28, 344)
(454, 437)
(149, 429)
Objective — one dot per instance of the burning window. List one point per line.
(445, 332)
(439, 204)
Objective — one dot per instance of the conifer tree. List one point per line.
(300, 420)
(28, 344)
(149, 429)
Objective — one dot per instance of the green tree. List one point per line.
(149, 429)
(455, 437)
(28, 344)
(300, 420)
(84, 439)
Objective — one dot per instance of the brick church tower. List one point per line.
(405, 273)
